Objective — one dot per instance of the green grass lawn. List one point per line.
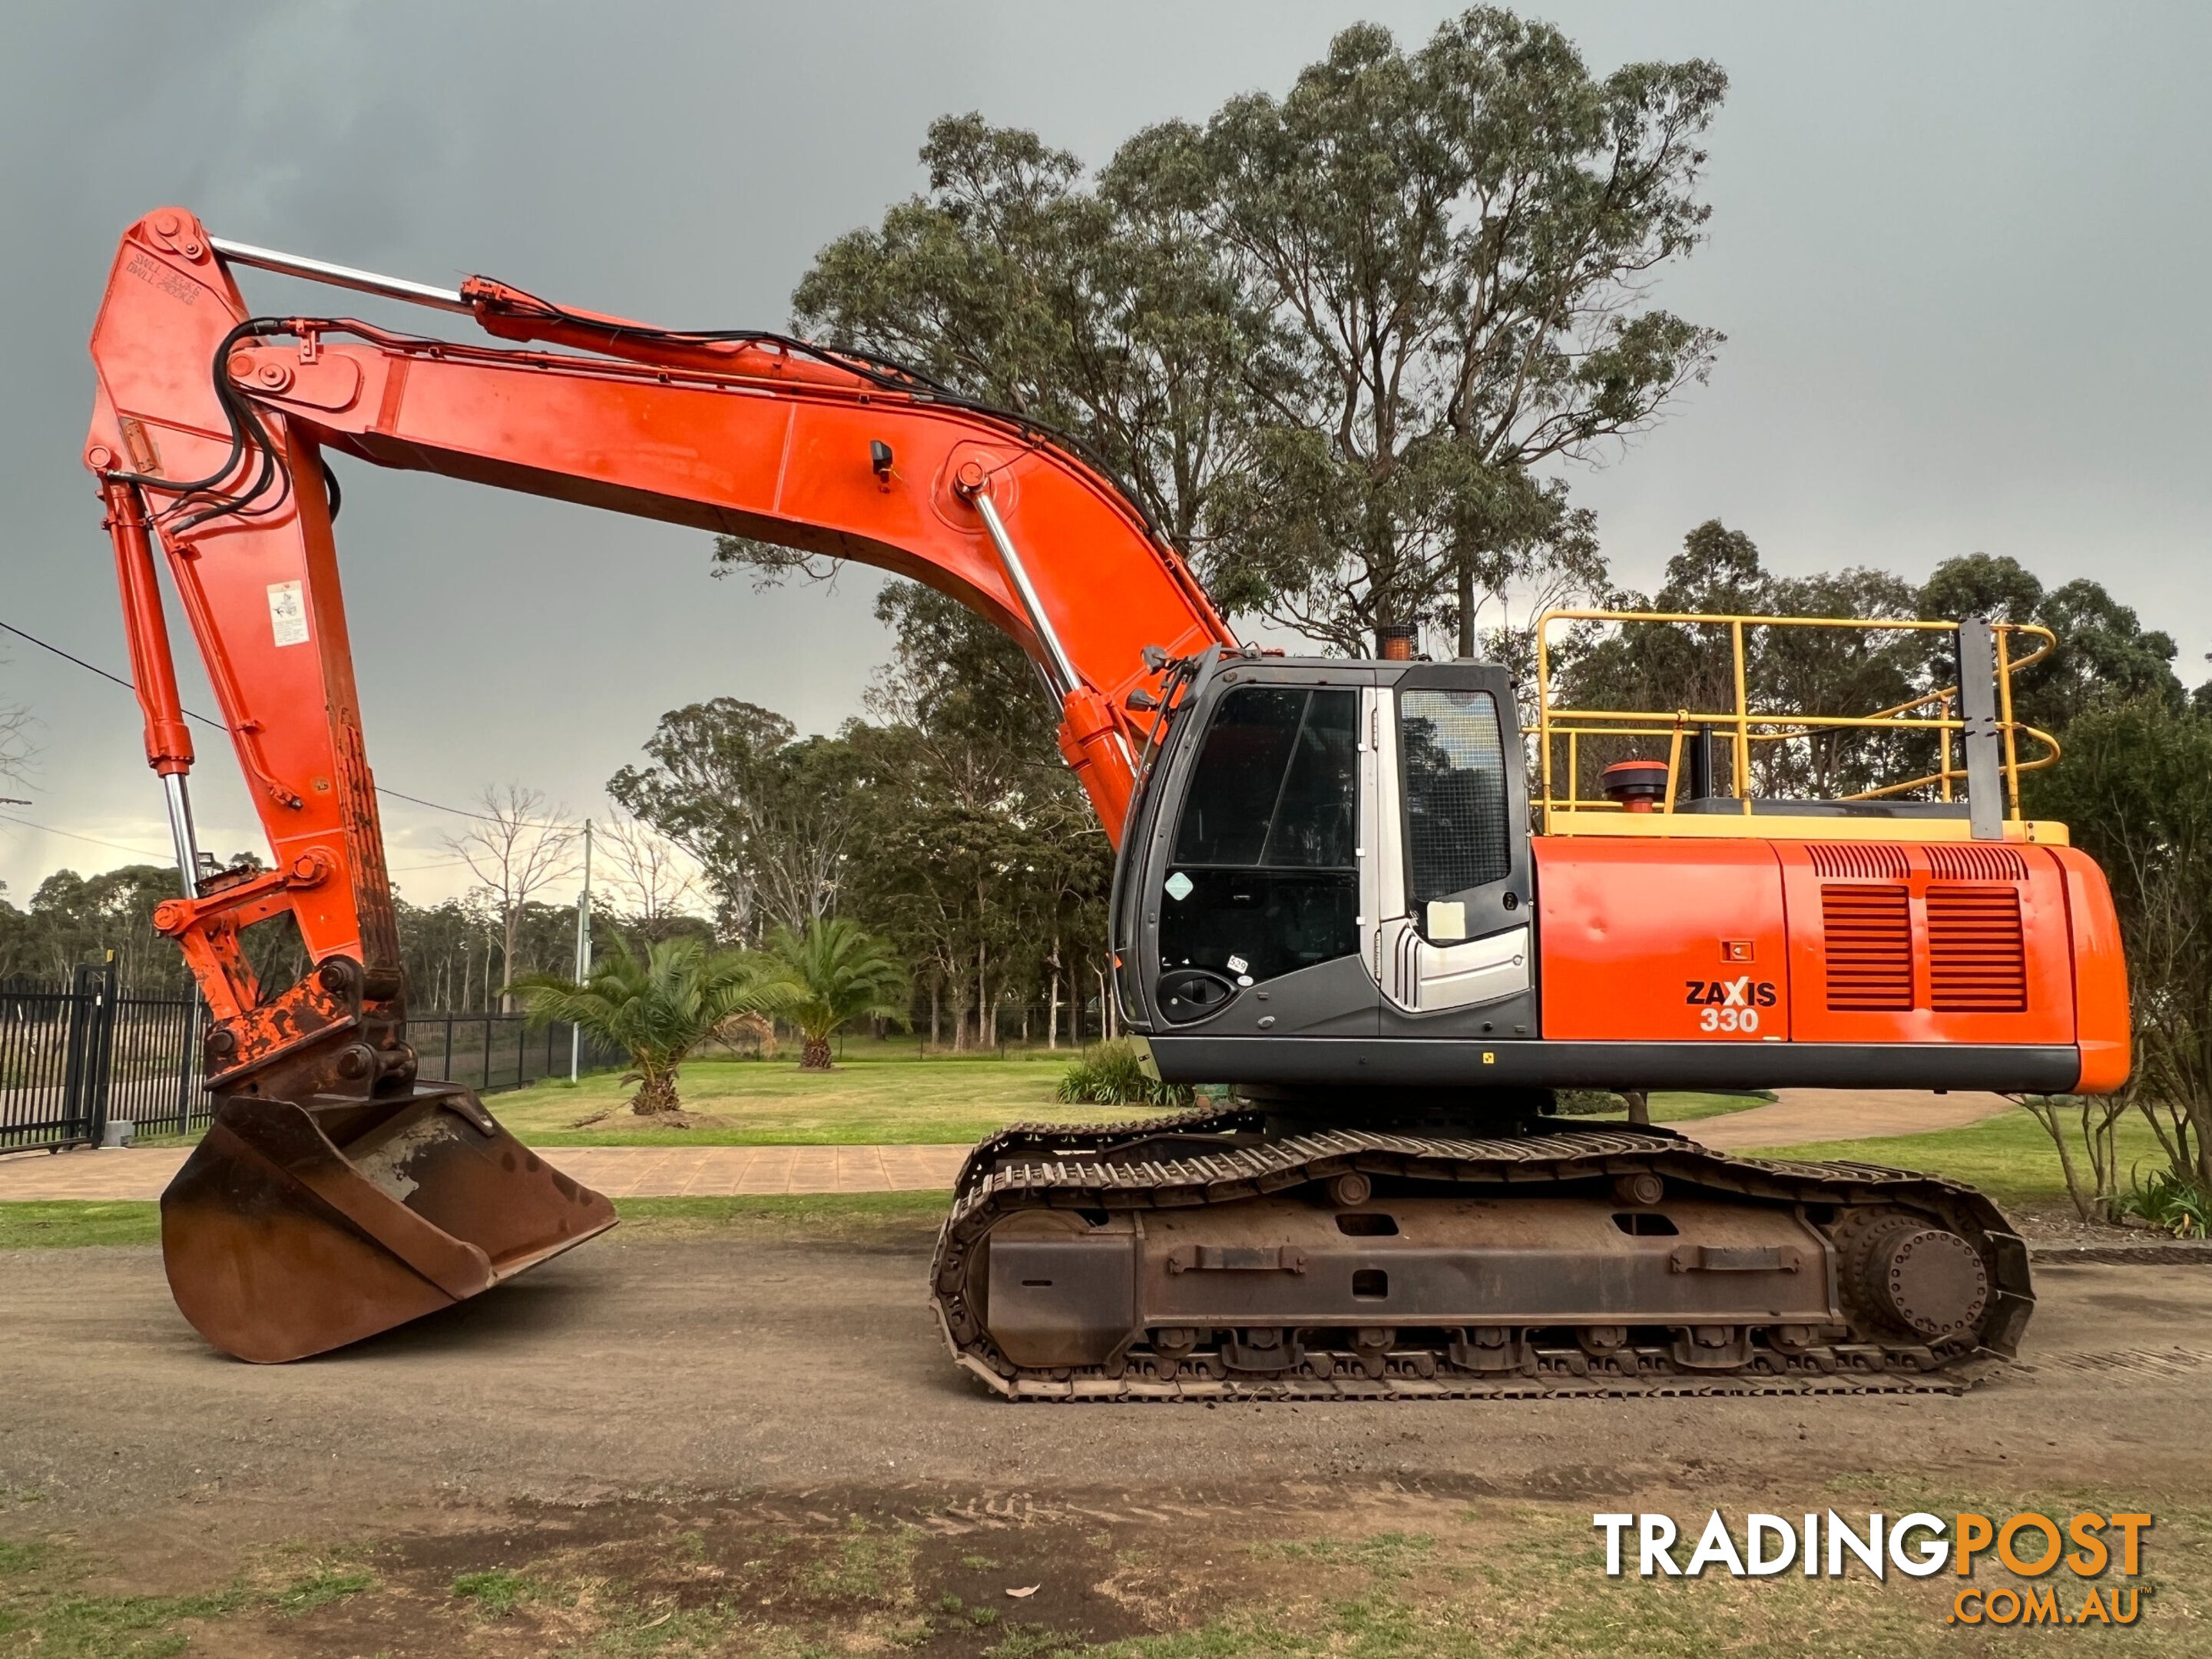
(838, 1218)
(40, 1224)
(879, 1094)
(1687, 1105)
(2010, 1157)
(890, 1095)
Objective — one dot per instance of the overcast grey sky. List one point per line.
(1959, 252)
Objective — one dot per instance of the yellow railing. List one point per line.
(1558, 728)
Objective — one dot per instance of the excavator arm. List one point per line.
(337, 1194)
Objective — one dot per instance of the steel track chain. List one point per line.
(1105, 1166)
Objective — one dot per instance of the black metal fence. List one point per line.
(492, 1052)
(56, 1055)
(75, 1057)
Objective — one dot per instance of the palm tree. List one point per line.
(657, 1009)
(832, 973)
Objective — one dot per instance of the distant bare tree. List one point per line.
(517, 849)
(651, 880)
(16, 747)
(15, 741)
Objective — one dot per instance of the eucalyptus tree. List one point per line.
(1453, 246)
(1100, 308)
(2103, 655)
(766, 813)
(978, 854)
(517, 847)
(15, 746)
(2134, 788)
(1330, 339)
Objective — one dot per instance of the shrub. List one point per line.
(2170, 1203)
(1588, 1102)
(1110, 1074)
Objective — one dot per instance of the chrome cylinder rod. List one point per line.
(1019, 575)
(318, 270)
(181, 831)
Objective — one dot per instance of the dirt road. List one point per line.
(636, 1393)
(626, 1369)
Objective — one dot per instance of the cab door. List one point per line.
(1453, 870)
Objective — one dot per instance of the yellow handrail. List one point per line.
(1747, 725)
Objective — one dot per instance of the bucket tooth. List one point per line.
(281, 1241)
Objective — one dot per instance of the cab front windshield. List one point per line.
(1264, 878)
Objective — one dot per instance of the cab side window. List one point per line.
(1456, 836)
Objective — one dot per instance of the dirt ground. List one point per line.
(771, 1433)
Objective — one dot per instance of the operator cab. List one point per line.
(1329, 848)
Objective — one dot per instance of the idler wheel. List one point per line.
(1920, 1276)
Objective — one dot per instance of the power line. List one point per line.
(116, 845)
(458, 812)
(190, 713)
(169, 857)
(216, 725)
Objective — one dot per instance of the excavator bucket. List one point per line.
(293, 1229)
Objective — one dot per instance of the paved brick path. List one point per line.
(1804, 1114)
(708, 1171)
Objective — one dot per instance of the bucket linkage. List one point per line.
(335, 1195)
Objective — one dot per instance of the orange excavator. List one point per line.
(1337, 890)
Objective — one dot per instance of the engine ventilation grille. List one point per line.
(1869, 945)
(1975, 862)
(1977, 962)
(1864, 861)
